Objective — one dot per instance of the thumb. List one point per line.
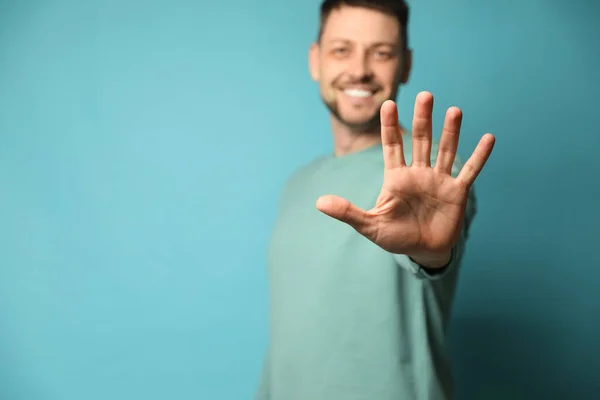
(344, 211)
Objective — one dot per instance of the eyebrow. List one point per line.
(376, 44)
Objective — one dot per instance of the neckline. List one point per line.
(356, 154)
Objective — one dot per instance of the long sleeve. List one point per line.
(263, 391)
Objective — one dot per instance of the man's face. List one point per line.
(359, 63)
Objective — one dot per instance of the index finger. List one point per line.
(391, 136)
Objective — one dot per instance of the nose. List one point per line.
(359, 66)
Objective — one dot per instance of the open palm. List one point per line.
(420, 208)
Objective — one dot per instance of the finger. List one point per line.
(422, 130)
(391, 136)
(344, 211)
(475, 163)
(449, 141)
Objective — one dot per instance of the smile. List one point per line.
(358, 93)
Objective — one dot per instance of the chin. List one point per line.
(357, 117)
(362, 117)
(361, 123)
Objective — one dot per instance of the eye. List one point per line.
(383, 55)
(340, 51)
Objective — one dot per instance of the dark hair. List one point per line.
(395, 8)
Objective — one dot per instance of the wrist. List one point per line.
(432, 260)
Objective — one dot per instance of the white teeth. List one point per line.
(358, 93)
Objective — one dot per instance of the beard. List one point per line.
(369, 124)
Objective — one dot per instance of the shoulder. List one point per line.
(305, 171)
(301, 175)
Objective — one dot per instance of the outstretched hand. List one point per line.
(420, 209)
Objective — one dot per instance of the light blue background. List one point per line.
(143, 145)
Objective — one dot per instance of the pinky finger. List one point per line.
(475, 163)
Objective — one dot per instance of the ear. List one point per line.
(314, 54)
(406, 67)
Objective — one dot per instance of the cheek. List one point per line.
(327, 83)
(388, 75)
(328, 93)
(389, 85)
(331, 72)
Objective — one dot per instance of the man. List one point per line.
(360, 300)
